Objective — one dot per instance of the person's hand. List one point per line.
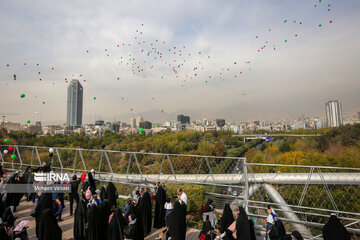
(217, 232)
(161, 236)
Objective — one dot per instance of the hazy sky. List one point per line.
(315, 65)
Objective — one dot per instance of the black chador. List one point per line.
(159, 217)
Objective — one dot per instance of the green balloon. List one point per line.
(28, 121)
(320, 25)
(94, 98)
(13, 156)
(285, 40)
(6, 140)
(22, 95)
(234, 62)
(141, 130)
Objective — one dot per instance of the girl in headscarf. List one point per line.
(269, 221)
(209, 212)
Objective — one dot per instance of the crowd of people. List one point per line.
(242, 227)
(97, 214)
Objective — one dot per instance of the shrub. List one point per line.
(121, 202)
(284, 147)
(195, 194)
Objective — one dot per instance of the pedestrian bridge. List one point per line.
(303, 196)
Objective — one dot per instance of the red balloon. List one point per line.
(11, 148)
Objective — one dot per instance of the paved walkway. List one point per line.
(26, 208)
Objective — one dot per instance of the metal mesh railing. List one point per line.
(305, 195)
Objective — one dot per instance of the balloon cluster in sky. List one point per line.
(142, 58)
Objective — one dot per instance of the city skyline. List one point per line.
(299, 76)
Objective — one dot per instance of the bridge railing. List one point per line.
(305, 195)
(136, 168)
(302, 196)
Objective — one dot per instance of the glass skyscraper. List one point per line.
(74, 103)
(333, 114)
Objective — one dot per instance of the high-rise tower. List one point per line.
(333, 114)
(74, 103)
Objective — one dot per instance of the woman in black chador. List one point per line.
(226, 220)
(115, 229)
(49, 228)
(147, 213)
(159, 217)
(242, 225)
(45, 202)
(104, 217)
(111, 195)
(93, 230)
(176, 221)
(334, 229)
(80, 220)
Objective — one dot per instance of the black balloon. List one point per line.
(51, 154)
(102, 146)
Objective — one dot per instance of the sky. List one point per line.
(263, 59)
